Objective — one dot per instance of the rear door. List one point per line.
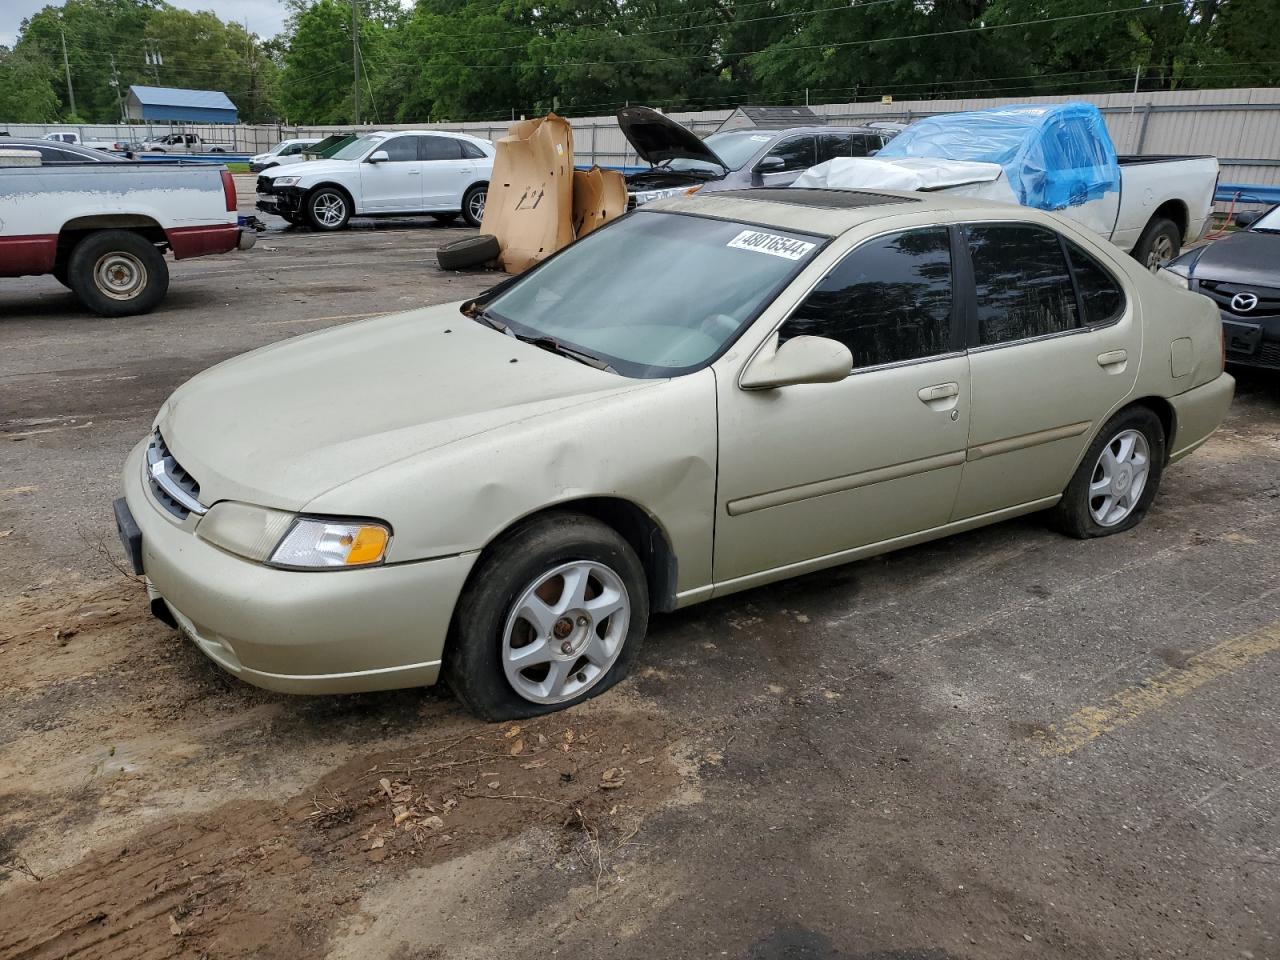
(1054, 348)
(446, 173)
(393, 185)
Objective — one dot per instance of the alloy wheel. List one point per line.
(329, 208)
(1119, 477)
(475, 206)
(565, 631)
(1161, 253)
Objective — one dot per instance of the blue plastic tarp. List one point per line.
(1054, 155)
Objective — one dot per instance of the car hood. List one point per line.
(658, 139)
(1244, 257)
(318, 168)
(284, 424)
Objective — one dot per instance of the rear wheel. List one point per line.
(473, 204)
(60, 274)
(1160, 242)
(116, 273)
(554, 614)
(328, 208)
(1118, 478)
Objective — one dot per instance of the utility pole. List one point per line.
(355, 60)
(115, 82)
(66, 64)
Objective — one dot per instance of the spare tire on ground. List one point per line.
(468, 252)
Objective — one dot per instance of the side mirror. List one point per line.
(1246, 218)
(799, 360)
(770, 165)
(379, 156)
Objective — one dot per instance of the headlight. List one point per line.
(1174, 277)
(245, 530)
(286, 181)
(314, 543)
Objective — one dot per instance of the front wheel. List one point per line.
(553, 614)
(328, 209)
(473, 204)
(1117, 480)
(116, 273)
(1160, 242)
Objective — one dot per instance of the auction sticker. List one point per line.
(772, 244)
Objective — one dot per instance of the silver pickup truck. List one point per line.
(101, 226)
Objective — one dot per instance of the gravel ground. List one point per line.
(1002, 744)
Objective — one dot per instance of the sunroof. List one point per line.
(815, 197)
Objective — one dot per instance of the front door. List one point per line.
(393, 185)
(809, 471)
(1048, 364)
(797, 154)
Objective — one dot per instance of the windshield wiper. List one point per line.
(489, 320)
(555, 346)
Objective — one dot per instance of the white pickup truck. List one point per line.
(101, 227)
(70, 136)
(1056, 157)
(181, 143)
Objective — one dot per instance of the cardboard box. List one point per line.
(598, 197)
(530, 204)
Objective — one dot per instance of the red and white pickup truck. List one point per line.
(102, 226)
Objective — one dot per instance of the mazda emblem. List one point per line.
(1244, 302)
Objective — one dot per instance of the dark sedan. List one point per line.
(1241, 274)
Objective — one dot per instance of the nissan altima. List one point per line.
(502, 492)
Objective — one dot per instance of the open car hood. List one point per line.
(658, 139)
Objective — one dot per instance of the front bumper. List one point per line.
(1199, 412)
(279, 202)
(1251, 343)
(342, 631)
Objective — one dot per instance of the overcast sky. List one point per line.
(266, 17)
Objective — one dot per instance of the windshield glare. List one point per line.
(735, 148)
(356, 149)
(655, 294)
(1269, 220)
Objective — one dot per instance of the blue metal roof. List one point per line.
(175, 97)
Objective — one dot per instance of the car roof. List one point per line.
(89, 152)
(830, 212)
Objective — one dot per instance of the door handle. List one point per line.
(1115, 359)
(414, 173)
(939, 391)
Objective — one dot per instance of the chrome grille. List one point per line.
(174, 489)
(1268, 298)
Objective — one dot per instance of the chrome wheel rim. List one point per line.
(565, 631)
(1119, 477)
(119, 275)
(1161, 253)
(475, 206)
(329, 208)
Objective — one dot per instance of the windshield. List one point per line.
(357, 148)
(1269, 220)
(654, 294)
(735, 148)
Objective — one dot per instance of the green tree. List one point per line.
(26, 89)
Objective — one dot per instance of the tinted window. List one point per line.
(1023, 286)
(401, 148)
(470, 150)
(831, 145)
(796, 153)
(1102, 297)
(53, 155)
(888, 300)
(438, 148)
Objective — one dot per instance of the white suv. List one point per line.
(389, 173)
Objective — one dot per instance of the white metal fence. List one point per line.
(1239, 126)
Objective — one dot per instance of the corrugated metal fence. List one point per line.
(1239, 126)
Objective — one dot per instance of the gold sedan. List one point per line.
(710, 394)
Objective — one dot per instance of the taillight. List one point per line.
(229, 190)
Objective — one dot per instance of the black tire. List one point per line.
(297, 219)
(1160, 242)
(473, 658)
(444, 218)
(133, 261)
(328, 208)
(60, 274)
(473, 204)
(1073, 514)
(468, 252)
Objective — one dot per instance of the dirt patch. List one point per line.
(287, 873)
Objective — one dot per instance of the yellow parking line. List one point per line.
(1089, 723)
